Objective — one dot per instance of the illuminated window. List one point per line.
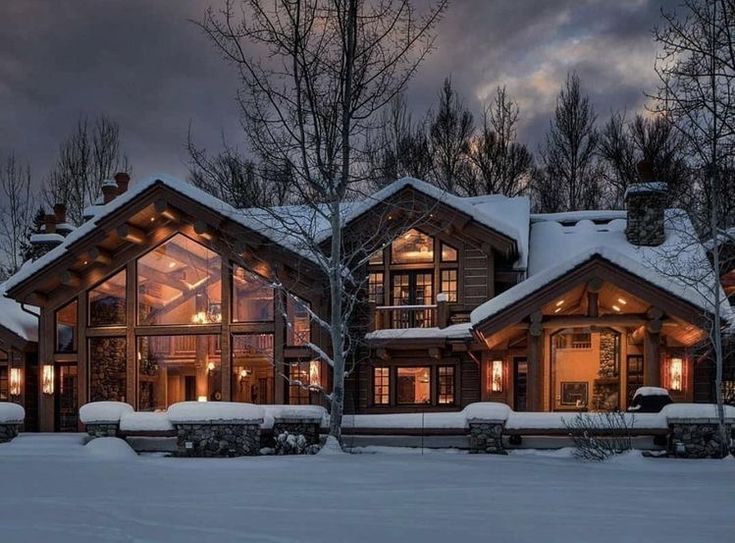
(446, 385)
(414, 385)
(253, 375)
(449, 284)
(179, 282)
(381, 386)
(66, 329)
(252, 299)
(301, 376)
(675, 374)
(449, 253)
(4, 391)
(299, 330)
(412, 247)
(376, 258)
(376, 288)
(107, 302)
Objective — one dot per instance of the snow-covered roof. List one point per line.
(455, 331)
(15, 319)
(679, 266)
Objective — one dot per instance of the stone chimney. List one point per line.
(60, 213)
(47, 238)
(123, 180)
(109, 190)
(646, 202)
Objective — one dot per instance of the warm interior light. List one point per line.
(676, 371)
(200, 318)
(622, 301)
(560, 303)
(497, 376)
(557, 309)
(153, 219)
(315, 377)
(47, 379)
(16, 379)
(202, 399)
(616, 308)
(244, 373)
(171, 265)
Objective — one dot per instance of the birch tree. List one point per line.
(696, 69)
(315, 76)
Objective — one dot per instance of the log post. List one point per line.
(535, 384)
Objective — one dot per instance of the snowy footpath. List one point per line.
(52, 489)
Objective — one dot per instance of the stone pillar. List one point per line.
(486, 436)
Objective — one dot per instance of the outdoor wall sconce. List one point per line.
(16, 380)
(497, 376)
(47, 379)
(676, 374)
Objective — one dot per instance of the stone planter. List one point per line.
(103, 429)
(305, 426)
(486, 436)
(217, 439)
(696, 438)
(9, 430)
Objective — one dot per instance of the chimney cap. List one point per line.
(109, 183)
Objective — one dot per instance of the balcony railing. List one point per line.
(404, 316)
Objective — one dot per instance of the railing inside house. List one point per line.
(404, 316)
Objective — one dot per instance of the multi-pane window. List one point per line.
(375, 288)
(376, 258)
(381, 386)
(299, 322)
(252, 297)
(253, 364)
(179, 282)
(449, 253)
(66, 328)
(413, 385)
(107, 302)
(412, 247)
(303, 375)
(4, 392)
(449, 284)
(445, 385)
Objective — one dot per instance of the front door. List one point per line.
(66, 407)
(520, 384)
(413, 288)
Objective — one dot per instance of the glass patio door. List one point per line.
(414, 288)
(66, 387)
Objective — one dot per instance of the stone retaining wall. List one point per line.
(309, 428)
(696, 438)
(8, 431)
(486, 436)
(217, 439)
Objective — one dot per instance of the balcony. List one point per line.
(404, 316)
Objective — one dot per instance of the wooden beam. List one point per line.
(70, 279)
(435, 353)
(382, 354)
(131, 234)
(162, 208)
(593, 303)
(602, 320)
(97, 256)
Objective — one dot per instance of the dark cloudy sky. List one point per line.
(145, 65)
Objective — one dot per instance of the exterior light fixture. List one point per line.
(676, 374)
(47, 379)
(315, 373)
(201, 398)
(16, 380)
(497, 376)
(211, 366)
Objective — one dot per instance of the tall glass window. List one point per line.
(66, 328)
(178, 368)
(376, 288)
(107, 302)
(252, 297)
(298, 331)
(179, 282)
(253, 368)
(381, 386)
(414, 385)
(411, 247)
(446, 385)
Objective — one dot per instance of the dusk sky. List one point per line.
(145, 65)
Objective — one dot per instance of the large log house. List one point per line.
(166, 294)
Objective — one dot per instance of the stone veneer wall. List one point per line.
(217, 439)
(696, 438)
(107, 369)
(8, 431)
(486, 436)
(102, 429)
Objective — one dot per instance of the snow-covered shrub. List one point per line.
(103, 412)
(294, 444)
(599, 436)
(649, 400)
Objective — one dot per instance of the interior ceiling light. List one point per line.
(557, 309)
(616, 308)
(560, 303)
(622, 301)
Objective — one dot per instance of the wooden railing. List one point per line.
(404, 316)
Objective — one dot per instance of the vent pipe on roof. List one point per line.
(646, 202)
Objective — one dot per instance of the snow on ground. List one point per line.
(54, 490)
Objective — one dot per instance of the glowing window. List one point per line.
(411, 247)
(381, 386)
(252, 299)
(66, 329)
(107, 305)
(449, 253)
(414, 385)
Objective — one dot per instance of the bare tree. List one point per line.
(450, 134)
(623, 144)
(696, 69)
(17, 203)
(569, 165)
(314, 104)
(499, 164)
(86, 158)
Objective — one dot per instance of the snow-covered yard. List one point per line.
(52, 489)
